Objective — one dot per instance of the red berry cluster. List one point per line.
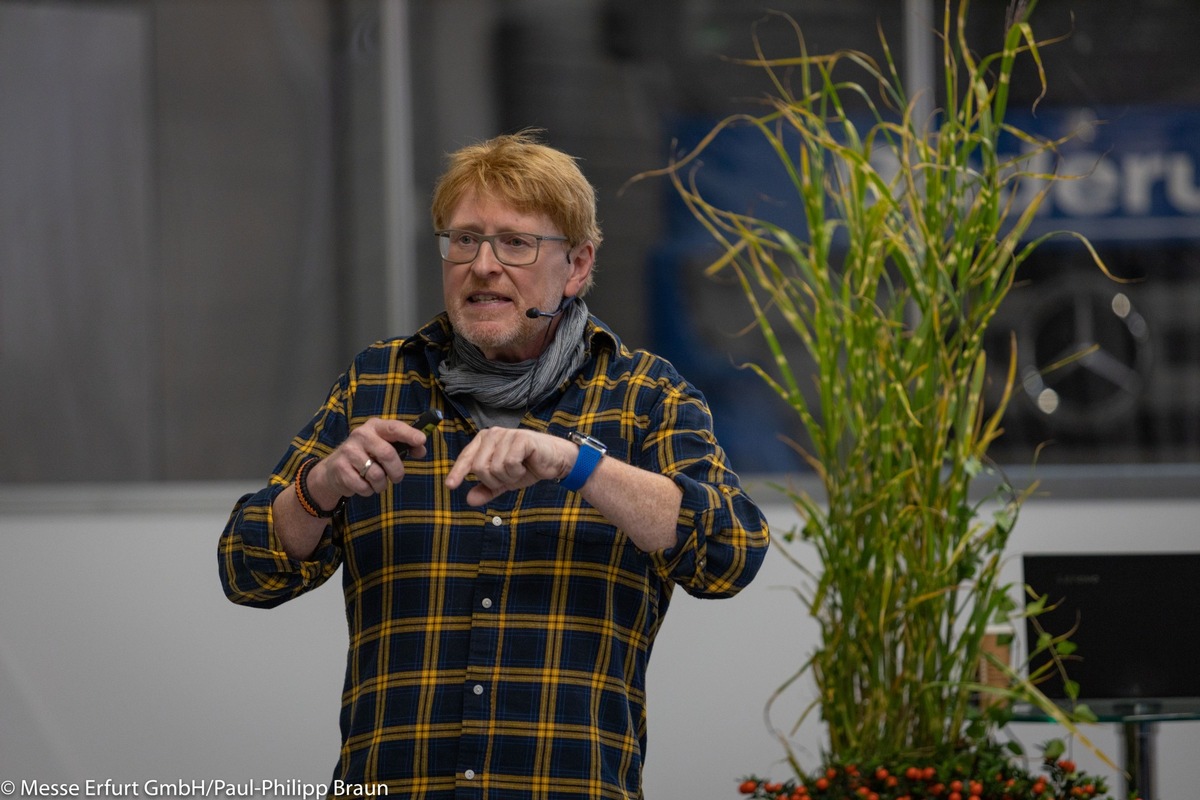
(1060, 781)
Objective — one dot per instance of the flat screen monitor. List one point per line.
(1138, 636)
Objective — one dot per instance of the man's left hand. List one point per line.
(504, 459)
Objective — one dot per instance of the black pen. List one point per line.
(427, 423)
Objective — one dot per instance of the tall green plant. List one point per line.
(889, 288)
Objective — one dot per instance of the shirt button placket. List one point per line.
(475, 708)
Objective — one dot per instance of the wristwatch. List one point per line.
(590, 452)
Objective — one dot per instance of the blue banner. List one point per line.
(1130, 172)
(1132, 184)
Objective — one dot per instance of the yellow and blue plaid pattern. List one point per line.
(501, 652)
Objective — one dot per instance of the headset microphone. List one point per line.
(534, 313)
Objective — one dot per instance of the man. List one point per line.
(505, 579)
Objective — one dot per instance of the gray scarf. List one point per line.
(498, 384)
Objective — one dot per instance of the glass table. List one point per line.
(1139, 723)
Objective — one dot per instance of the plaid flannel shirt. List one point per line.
(501, 651)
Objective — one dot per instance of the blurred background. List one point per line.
(208, 206)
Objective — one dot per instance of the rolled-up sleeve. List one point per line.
(722, 535)
(254, 568)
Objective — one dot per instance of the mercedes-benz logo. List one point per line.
(1084, 354)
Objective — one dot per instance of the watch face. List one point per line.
(584, 440)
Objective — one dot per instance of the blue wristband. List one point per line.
(590, 453)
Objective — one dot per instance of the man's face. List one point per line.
(487, 300)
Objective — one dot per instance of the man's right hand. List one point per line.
(366, 462)
(341, 474)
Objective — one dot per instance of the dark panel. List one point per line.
(77, 339)
(245, 159)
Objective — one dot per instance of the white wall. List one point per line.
(120, 658)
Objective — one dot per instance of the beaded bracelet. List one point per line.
(306, 499)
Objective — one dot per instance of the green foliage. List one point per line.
(889, 290)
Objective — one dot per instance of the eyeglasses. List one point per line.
(510, 249)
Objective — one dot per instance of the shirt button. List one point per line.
(477, 689)
(497, 521)
(469, 774)
(486, 602)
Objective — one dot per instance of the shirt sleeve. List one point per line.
(721, 535)
(254, 568)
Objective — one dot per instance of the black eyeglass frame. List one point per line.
(445, 235)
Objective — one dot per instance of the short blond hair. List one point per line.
(531, 177)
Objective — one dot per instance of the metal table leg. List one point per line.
(1139, 758)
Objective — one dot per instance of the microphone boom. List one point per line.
(534, 313)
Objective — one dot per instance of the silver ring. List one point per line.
(362, 473)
